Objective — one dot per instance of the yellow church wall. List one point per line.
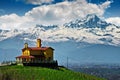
(26, 52)
(49, 54)
(36, 52)
(39, 53)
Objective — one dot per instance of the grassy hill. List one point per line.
(38, 73)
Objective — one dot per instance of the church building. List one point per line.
(43, 56)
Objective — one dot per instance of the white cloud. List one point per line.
(59, 14)
(38, 2)
(14, 21)
(65, 11)
(114, 20)
(106, 4)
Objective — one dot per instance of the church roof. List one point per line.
(38, 48)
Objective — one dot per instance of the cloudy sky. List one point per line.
(27, 13)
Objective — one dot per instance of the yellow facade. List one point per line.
(36, 54)
(49, 54)
(26, 52)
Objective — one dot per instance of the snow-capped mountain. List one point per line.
(46, 27)
(85, 38)
(90, 21)
(90, 29)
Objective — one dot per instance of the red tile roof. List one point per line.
(38, 48)
(25, 56)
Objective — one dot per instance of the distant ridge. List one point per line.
(90, 21)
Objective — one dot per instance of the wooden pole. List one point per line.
(67, 62)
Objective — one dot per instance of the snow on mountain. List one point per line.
(90, 21)
(94, 29)
(46, 27)
(91, 30)
(82, 37)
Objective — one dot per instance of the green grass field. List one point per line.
(38, 73)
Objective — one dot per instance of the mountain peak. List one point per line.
(90, 21)
(92, 17)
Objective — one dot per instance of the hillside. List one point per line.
(37, 73)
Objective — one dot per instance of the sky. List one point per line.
(22, 14)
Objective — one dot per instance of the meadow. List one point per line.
(38, 73)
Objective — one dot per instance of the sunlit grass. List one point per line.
(38, 73)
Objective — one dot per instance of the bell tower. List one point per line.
(26, 45)
(38, 42)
